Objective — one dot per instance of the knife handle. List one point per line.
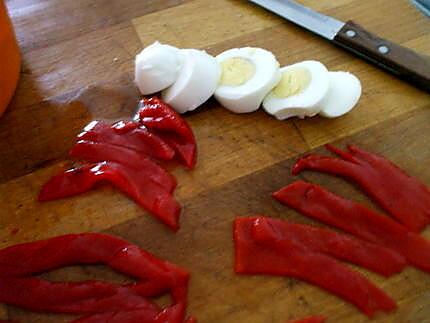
(399, 60)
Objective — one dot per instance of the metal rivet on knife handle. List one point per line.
(351, 33)
(383, 49)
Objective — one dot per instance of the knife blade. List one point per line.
(423, 6)
(398, 60)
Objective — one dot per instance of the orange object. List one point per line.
(10, 60)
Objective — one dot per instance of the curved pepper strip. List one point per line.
(70, 297)
(173, 314)
(99, 152)
(156, 276)
(133, 316)
(252, 257)
(36, 257)
(402, 196)
(371, 256)
(356, 219)
(160, 118)
(310, 319)
(134, 183)
(130, 135)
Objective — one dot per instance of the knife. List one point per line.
(398, 60)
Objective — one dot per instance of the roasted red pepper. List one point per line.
(402, 196)
(160, 118)
(372, 256)
(123, 152)
(295, 260)
(31, 258)
(127, 302)
(310, 319)
(170, 315)
(132, 316)
(173, 314)
(99, 152)
(320, 204)
(130, 135)
(70, 297)
(134, 183)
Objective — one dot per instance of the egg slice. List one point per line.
(300, 91)
(343, 94)
(157, 67)
(248, 74)
(196, 82)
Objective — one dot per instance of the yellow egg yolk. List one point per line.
(293, 82)
(236, 71)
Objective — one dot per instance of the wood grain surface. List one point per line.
(78, 61)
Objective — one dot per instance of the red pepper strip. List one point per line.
(343, 247)
(173, 314)
(138, 263)
(310, 319)
(251, 257)
(320, 204)
(30, 258)
(401, 195)
(91, 248)
(70, 297)
(134, 183)
(36, 257)
(159, 117)
(157, 275)
(133, 316)
(98, 152)
(130, 135)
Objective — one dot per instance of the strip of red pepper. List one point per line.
(99, 152)
(133, 316)
(160, 118)
(402, 196)
(320, 204)
(35, 257)
(73, 297)
(310, 319)
(92, 248)
(273, 232)
(134, 183)
(252, 257)
(172, 314)
(130, 135)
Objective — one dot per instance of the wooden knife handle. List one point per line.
(399, 60)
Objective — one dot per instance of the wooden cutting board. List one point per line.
(78, 66)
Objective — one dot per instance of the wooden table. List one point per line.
(78, 66)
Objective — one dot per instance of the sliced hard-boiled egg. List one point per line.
(248, 74)
(157, 67)
(196, 82)
(300, 91)
(343, 94)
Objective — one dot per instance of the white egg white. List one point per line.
(157, 67)
(343, 94)
(301, 100)
(248, 91)
(196, 82)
